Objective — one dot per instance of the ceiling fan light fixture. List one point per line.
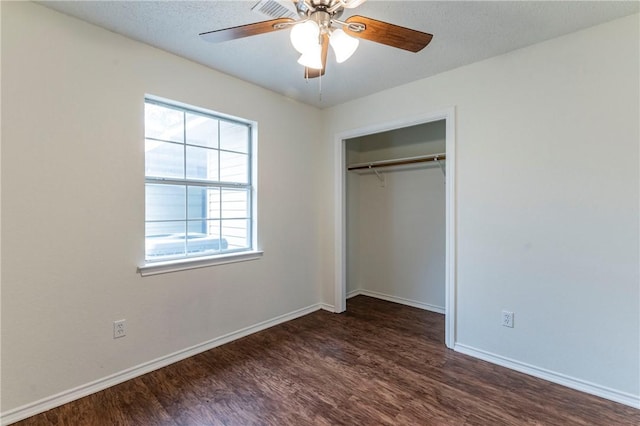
(318, 26)
(304, 36)
(312, 58)
(343, 45)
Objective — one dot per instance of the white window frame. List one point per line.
(192, 262)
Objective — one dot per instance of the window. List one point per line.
(198, 183)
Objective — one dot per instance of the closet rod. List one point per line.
(398, 162)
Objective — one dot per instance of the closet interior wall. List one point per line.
(396, 218)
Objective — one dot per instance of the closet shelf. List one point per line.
(397, 162)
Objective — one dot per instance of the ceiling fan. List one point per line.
(319, 26)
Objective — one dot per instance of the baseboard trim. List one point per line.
(45, 404)
(396, 299)
(353, 293)
(327, 307)
(551, 376)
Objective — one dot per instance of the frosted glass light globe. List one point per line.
(343, 45)
(312, 58)
(304, 36)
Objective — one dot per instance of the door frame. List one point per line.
(340, 236)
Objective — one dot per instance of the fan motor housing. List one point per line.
(325, 3)
(326, 6)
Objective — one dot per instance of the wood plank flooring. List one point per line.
(379, 363)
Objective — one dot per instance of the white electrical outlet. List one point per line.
(119, 328)
(507, 319)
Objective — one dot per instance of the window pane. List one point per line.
(213, 230)
(204, 203)
(163, 123)
(165, 202)
(202, 130)
(236, 232)
(197, 228)
(202, 163)
(164, 239)
(234, 137)
(204, 238)
(164, 159)
(234, 167)
(164, 229)
(235, 204)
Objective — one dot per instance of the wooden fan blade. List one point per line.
(312, 72)
(241, 31)
(389, 34)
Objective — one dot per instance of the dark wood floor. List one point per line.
(378, 364)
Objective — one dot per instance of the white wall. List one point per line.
(547, 202)
(73, 207)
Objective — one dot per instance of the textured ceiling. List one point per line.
(464, 32)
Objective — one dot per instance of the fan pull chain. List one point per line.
(320, 88)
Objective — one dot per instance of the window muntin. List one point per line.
(198, 183)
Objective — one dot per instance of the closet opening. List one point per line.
(396, 230)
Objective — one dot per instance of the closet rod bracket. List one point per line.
(441, 167)
(378, 175)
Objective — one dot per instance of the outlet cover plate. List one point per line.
(507, 319)
(119, 328)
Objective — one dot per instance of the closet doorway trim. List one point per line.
(340, 237)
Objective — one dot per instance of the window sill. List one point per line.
(202, 262)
